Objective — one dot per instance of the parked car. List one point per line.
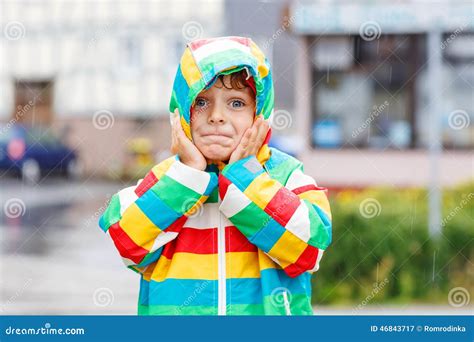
(35, 151)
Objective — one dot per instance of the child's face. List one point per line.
(220, 117)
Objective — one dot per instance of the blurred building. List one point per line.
(351, 87)
(362, 89)
(99, 72)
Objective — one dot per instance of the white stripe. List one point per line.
(205, 217)
(234, 201)
(127, 197)
(299, 223)
(128, 262)
(316, 266)
(190, 177)
(218, 46)
(298, 179)
(162, 239)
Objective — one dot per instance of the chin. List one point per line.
(217, 153)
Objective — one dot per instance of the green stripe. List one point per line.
(319, 236)
(145, 310)
(250, 219)
(177, 196)
(245, 309)
(210, 62)
(214, 196)
(281, 172)
(112, 213)
(300, 304)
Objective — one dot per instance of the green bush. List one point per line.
(387, 255)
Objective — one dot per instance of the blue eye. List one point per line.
(237, 104)
(200, 102)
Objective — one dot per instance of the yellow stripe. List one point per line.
(319, 198)
(196, 208)
(186, 128)
(242, 265)
(189, 68)
(161, 269)
(265, 262)
(139, 227)
(262, 67)
(288, 248)
(160, 169)
(263, 154)
(187, 266)
(262, 190)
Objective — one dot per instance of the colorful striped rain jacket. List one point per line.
(237, 239)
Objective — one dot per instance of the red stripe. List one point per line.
(177, 225)
(237, 242)
(125, 245)
(305, 262)
(198, 241)
(223, 185)
(308, 187)
(198, 43)
(168, 249)
(267, 137)
(147, 182)
(282, 206)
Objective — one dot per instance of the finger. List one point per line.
(262, 134)
(253, 136)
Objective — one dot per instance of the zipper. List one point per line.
(221, 269)
(286, 302)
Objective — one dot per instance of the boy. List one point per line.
(227, 226)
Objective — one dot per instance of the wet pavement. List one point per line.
(54, 257)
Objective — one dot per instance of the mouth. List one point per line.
(215, 135)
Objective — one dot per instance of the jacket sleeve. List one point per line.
(291, 223)
(142, 219)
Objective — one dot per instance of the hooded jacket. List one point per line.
(236, 239)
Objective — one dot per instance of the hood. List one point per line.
(205, 59)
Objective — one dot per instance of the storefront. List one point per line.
(364, 82)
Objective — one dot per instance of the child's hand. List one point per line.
(180, 144)
(251, 141)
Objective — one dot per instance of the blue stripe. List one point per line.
(240, 175)
(186, 292)
(268, 235)
(102, 224)
(212, 184)
(156, 210)
(181, 89)
(244, 291)
(273, 278)
(252, 290)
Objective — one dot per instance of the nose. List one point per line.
(216, 116)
